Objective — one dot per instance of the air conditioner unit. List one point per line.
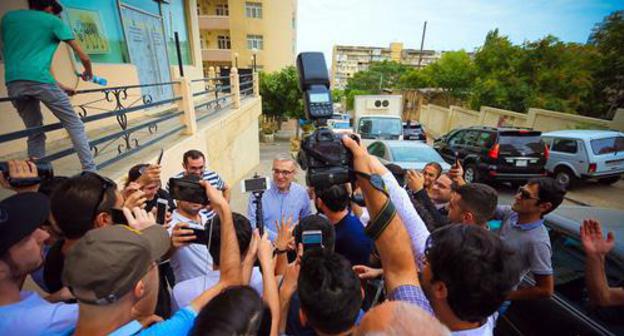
(377, 104)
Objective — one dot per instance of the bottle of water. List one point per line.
(95, 79)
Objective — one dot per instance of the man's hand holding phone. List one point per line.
(149, 175)
(415, 180)
(182, 235)
(456, 173)
(214, 195)
(138, 218)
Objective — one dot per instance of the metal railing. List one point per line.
(117, 102)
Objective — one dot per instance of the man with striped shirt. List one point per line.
(194, 163)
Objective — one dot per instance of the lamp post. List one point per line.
(236, 60)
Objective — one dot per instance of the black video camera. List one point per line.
(323, 155)
(44, 172)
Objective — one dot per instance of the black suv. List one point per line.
(413, 131)
(495, 154)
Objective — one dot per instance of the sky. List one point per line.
(451, 24)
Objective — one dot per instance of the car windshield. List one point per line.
(529, 143)
(412, 154)
(340, 125)
(381, 126)
(607, 145)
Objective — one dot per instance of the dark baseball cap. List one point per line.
(21, 215)
(106, 263)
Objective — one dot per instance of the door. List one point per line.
(147, 50)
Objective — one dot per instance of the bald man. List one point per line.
(397, 318)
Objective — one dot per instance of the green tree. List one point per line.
(281, 96)
(454, 73)
(379, 75)
(608, 38)
(415, 79)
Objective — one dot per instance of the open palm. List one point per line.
(593, 239)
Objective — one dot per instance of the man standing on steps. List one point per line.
(30, 39)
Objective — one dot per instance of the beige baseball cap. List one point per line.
(106, 263)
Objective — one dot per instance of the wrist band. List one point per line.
(377, 226)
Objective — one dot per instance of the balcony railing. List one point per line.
(217, 55)
(214, 22)
(128, 139)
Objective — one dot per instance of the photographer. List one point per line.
(284, 199)
(30, 38)
(194, 164)
(21, 242)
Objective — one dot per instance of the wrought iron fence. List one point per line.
(122, 136)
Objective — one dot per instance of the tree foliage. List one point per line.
(281, 96)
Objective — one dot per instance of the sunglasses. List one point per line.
(525, 194)
(105, 184)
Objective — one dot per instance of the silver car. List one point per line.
(577, 155)
(407, 154)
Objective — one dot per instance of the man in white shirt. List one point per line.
(21, 242)
(189, 258)
(184, 292)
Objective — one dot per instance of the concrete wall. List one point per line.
(440, 120)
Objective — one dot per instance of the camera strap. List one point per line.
(378, 224)
(24, 181)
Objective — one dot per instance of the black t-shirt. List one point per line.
(161, 193)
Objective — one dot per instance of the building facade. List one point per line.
(347, 60)
(236, 32)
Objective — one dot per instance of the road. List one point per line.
(589, 193)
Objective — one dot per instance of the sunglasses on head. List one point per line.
(105, 184)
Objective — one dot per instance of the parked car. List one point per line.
(568, 311)
(495, 154)
(577, 155)
(339, 125)
(406, 154)
(413, 131)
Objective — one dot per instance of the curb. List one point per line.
(577, 202)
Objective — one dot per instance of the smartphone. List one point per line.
(456, 157)
(161, 210)
(201, 237)
(162, 151)
(118, 217)
(255, 184)
(190, 191)
(312, 239)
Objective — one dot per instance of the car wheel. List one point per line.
(471, 174)
(609, 180)
(565, 177)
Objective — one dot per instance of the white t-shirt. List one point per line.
(193, 260)
(487, 329)
(186, 291)
(33, 315)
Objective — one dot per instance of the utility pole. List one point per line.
(422, 44)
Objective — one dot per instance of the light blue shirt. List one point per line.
(33, 315)
(277, 205)
(192, 260)
(179, 324)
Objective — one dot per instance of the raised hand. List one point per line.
(415, 180)
(181, 235)
(138, 218)
(20, 169)
(593, 239)
(284, 234)
(214, 195)
(135, 200)
(365, 272)
(150, 174)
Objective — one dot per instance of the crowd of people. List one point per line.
(419, 258)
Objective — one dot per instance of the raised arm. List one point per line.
(393, 243)
(596, 249)
(270, 294)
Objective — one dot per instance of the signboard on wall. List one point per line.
(87, 27)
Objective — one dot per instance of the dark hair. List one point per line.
(480, 199)
(329, 291)
(476, 267)
(336, 197)
(48, 185)
(436, 166)
(72, 203)
(549, 191)
(238, 310)
(193, 154)
(135, 172)
(316, 222)
(397, 172)
(242, 226)
(43, 4)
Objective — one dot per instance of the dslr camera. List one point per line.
(323, 155)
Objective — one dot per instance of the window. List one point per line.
(457, 138)
(564, 146)
(253, 10)
(223, 42)
(470, 138)
(608, 145)
(222, 10)
(255, 42)
(486, 140)
(377, 149)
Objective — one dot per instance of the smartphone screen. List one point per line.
(255, 184)
(312, 239)
(161, 210)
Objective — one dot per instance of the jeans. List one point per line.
(57, 101)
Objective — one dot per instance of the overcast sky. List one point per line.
(451, 24)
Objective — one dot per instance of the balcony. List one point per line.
(214, 22)
(217, 55)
